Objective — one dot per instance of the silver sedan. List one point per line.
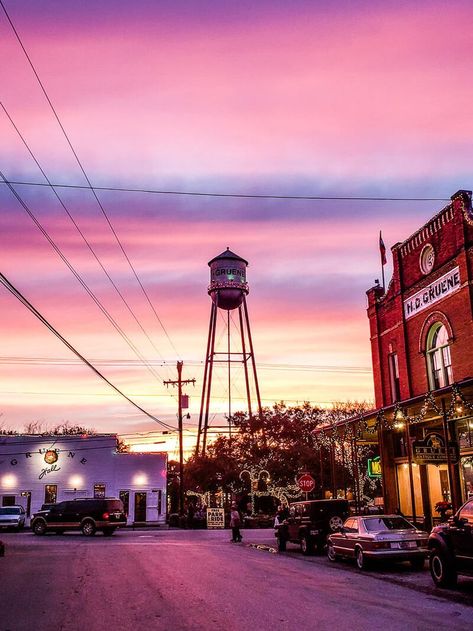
(379, 537)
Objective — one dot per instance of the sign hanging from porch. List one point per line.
(432, 450)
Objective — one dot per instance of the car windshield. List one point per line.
(375, 524)
(11, 510)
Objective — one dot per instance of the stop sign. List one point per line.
(306, 483)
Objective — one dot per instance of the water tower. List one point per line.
(228, 289)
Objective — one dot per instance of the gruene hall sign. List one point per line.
(432, 450)
(443, 286)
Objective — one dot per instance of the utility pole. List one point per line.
(179, 383)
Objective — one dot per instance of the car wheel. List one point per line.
(88, 528)
(335, 523)
(331, 552)
(39, 527)
(306, 545)
(417, 563)
(442, 569)
(108, 532)
(361, 562)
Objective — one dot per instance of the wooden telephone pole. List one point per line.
(179, 383)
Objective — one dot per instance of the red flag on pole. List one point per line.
(382, 250)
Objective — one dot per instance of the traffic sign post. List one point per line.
(306, 483)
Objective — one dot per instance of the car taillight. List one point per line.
(382, 544)
(106, 516)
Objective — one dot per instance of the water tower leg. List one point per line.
(210, 361)
(245, 361)
(204, 383)
(255, 375)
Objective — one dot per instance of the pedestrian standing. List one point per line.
(280, 526)
(235, 522)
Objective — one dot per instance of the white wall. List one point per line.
(81, 463)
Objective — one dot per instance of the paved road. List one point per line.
(197, 580)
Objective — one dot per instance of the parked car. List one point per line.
(12, 517)
(451, 547)
(310, 522)
(87, 515)
(379, 537)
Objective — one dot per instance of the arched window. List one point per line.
(439, 361)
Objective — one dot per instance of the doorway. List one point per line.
(27, 494)
(125, 498)
(140, 506)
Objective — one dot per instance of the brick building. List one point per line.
(421, 331)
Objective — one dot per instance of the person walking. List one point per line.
(235, 522)
(280, 527)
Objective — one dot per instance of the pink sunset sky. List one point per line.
(287, 98)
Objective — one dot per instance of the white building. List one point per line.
(36, 470)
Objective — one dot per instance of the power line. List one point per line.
(151, 191)
(131, 363)
(84, 173)
(65, 260)
(15, 292)
(84, 238)
(145, 394)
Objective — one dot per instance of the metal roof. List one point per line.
(228, 254)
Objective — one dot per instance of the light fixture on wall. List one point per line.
(459, 408)
(399, 419)
(9, 481)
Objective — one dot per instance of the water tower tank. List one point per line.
(228, 284)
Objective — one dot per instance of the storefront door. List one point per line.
(439, 487)
(466, 468)
(404, 490)
(125, 498)
(140, 506)
(27, 494)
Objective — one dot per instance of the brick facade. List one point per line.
(450, 234)
(431, 285)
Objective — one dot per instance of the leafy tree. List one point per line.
(61, 429)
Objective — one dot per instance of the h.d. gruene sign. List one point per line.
(443, 286)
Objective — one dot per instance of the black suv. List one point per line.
(451, 547)
(87, 515)
(310, 522)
